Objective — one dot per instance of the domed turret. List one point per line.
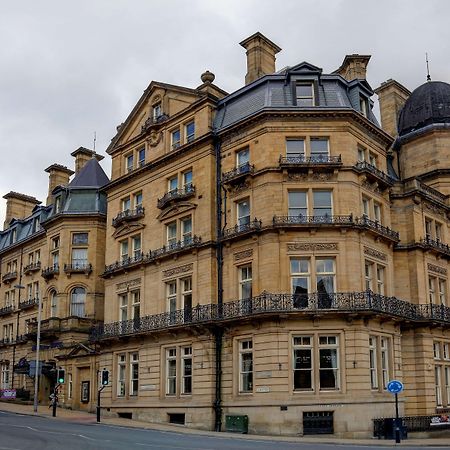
(428, 104)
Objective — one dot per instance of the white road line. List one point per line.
(171, 446)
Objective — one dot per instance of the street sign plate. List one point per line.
(395, 386)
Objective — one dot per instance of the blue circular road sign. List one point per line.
(395, 386)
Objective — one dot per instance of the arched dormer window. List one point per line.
(77, 302)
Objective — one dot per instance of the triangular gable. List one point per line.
(79, 347)
(305, 67)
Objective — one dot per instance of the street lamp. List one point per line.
(38, 343)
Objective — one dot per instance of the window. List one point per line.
(446, 351)
(297, 203)
(304, 93)
(384, 361)
(379, 361)
(70, 386)
(438, 231)
(303, 363)
(436, 350)
(129, 162)
(243, 213)
(380, 279)
(433, 230)
(55, 243)
(428, 229)
(447, 384)
(79, 257)
(80, 238)
(179, 297)
(300, 281)
(171, 234)
(246, 366)
(186, 230)
(141, 157)
(363, 106)
(57, 204)
(328, 363)
(322, 203)
(361, 154)
(442, 373)
(190, 131)
(245, 282)
(171, 371)
(176, 139)
(372, 159)
(129, 305)
(126, 204)
(242, 157)
(121, 375)
(295, 148)
(186, 370)
(371, 209)
(325, 280)
(134, 373)
(438, 382)
(366, 206)
(124, 250)
(431, 289)
(377, 211)
(319, 149)
(171, 289)
(186, 295)
(173, 184)
(123, 307)
(187, 178)
(156, 111)
(29, 291)
(137, 197)
(77, 302)
(4, 376)
(36, 224)
(53, 304)
(368, 269)
(373, 361)
(136, 246)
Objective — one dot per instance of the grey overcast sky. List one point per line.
(69, 68)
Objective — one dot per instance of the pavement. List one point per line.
(82, 417)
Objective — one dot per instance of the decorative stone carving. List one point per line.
(154, 138)
(437, 269)
(375, 253)
(371, 187)
(434, 209)
(178, 270)
(312, 246)
(297, 176)
(243, 255)
(128, 284)
(238, 188)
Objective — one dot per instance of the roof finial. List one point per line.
(95, 139)
(428, 68)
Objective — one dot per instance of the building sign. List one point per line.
(7, 394)
(85, 391)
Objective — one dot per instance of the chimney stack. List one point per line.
(18, 206)
(260, 56)
(58, 176)
(82, 155)
(354, 67)
(391, 97)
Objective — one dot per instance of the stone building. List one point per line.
(273, 252)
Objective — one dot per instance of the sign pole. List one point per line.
(397, 424)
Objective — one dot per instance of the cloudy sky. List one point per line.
(72, 68)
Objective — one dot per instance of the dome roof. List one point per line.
(428, 104)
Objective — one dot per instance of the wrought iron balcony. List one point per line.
(154, 121)
(153, 255)
(29, 303)
(5, 310)
(128, 215)
(78, 268)
(307, 162)
(33, 267)
(10, 276)
(238, 173)
(175, 195)
(374, 225)
(435, 244)
(50, 272)
(307, 221)
(373, 174)
(244, 228)
(269, 305)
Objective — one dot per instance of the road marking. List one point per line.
(9, 448)
(171, 446)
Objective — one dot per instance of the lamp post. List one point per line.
(38, 343)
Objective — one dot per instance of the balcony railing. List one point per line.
(374, 225)
(5, 310)
(29, 303)
(78, 268)
(375, 174)
(302, 161)
(33, 267)
(268, 304)
(436, 244)
(152, 121)
(128, 215)
(175, 195)
(325, 220)
(8, 277)
(55, 325)
(50, 272)
(153, 255)
(238, 173)
(431, 191)
(244, 228)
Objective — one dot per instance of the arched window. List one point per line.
(53, 304)
(77, 301)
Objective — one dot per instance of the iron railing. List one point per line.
(269, 304)
(376, 226)
(7, 277)
(238, 172)
(153, 255)
(6, 310)
(29, 303)
(436, 244)
(33, 267)
(50, 272)
(302, 160)
(127, 215)
(152, 121)
(78, 268)
(383, 426)
(250, 227)
(176, 194)
(313, 220)
(364, 166)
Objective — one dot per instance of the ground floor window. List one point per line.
(5, 376)
(127, 374)
(441, 355)
(179, 370)
(246, 366)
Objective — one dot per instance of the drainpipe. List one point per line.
(19, 287)
(218, 331)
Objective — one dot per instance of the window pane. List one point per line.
(319, 146)
(322, 203)
(295, 147)
(79, 238)
(243, 157)
(304, 90)
(297, 203)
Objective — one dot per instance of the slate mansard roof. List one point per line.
(82, 196)
(277, 92)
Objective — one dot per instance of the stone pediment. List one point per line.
(80, 350)
(128, 228)
(174, 210)
(305, 68)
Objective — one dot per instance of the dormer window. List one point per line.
(36, 224)
(304, 93)
(57, 205)
(13, 235)
(363, 106)
(157, 112)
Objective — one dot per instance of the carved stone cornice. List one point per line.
(178, 270)
(244, 254)
(375, 253)
(128, 284)
(437, 269)
(312, 246)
